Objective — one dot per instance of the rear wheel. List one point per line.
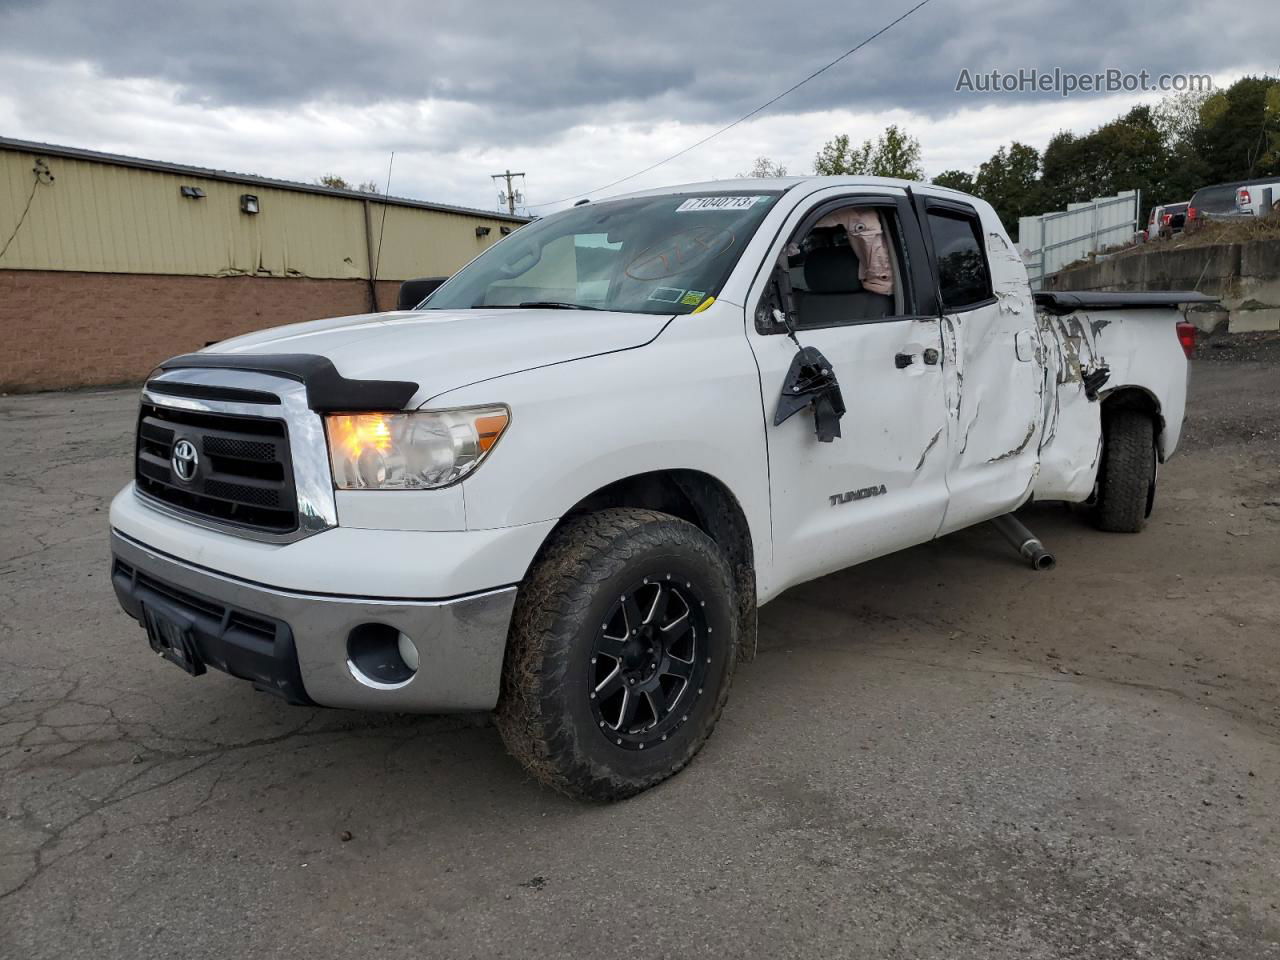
(1127, 476)
(621, 650)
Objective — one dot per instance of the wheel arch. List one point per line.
(1131, 397)
(708, 504)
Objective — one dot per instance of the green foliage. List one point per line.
(836, 157)
(895, 154)
(1186, 141)
(1010, 182)
(1168, 151)
(336, 182)
(1178, 115)
(1239, 132)
(956, 180)
(765, 169)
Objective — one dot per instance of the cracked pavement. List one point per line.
(938, 754)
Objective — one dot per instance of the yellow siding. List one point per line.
(100, 217)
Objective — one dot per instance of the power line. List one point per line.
(41, 172)
(746, 116)
(382, 229)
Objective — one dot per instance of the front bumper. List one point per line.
(295, 643)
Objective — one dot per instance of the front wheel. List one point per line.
(620, 654)
(1127, 476)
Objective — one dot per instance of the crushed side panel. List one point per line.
(1071, 445)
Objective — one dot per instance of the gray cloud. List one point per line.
(530, 70)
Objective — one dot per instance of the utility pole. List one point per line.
(512, 196)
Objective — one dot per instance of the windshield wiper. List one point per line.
(554, 305)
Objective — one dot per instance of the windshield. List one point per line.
(665, 255)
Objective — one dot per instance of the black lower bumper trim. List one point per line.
(243, 643)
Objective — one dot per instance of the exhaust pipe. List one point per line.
(1025, 542)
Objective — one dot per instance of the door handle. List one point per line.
(903, 360)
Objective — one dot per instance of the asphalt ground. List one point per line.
(940, 754)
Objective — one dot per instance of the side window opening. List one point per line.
(846, 269)
(964, 278)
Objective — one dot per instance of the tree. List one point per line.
(335, 182)
(765, 169)
(837, 158)
(1239, 132)
(1177, 116)
(1129, 153)
(956, 180)
(1066, 176)
(1010, 182)
(895, 154)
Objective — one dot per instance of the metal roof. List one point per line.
(161, 166)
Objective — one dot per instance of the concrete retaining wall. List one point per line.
(1245, 275)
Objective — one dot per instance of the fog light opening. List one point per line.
(380, 656)
(408, 652)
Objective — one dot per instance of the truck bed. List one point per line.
(1062, 302)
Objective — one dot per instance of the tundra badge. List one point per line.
(839, 498)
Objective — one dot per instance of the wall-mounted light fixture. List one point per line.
(192, 193)
(248, 203)
(482, 231)
(504, 230)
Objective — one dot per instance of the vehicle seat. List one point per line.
(835, 294)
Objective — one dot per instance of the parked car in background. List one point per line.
(1153, 224)
(1165, 221)
(1259, 198)
(1173, 217)
(1228, 201)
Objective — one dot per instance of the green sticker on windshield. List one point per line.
(693, 298)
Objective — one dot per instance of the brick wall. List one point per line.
(60, 329)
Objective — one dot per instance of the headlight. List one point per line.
(410, 451)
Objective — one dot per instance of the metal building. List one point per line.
(158, 258)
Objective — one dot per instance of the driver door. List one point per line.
(881, 485)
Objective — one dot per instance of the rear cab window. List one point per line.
(964, 276)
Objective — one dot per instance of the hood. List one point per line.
(442, 350)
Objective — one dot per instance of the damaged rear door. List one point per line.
(995, 370)
(859, 469)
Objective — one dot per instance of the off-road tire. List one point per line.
(1126, 478)
(543, 713)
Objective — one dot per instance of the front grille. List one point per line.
(243, 475)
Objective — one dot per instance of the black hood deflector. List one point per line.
(327, 389)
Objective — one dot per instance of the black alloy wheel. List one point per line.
(620, 654)
(649, 662)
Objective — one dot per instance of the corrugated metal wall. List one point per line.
(104, 218)
(1050, 241)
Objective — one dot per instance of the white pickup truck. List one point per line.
(560, 487)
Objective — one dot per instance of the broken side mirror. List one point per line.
(810, 382)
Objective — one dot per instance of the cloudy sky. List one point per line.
(576, 94)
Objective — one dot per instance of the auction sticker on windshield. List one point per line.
(698, 204)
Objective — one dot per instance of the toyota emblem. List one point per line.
(184, 460)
